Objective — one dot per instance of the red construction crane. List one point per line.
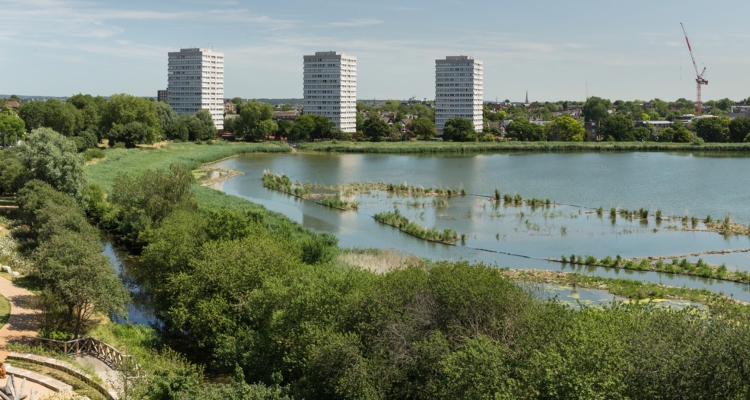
(698, 76)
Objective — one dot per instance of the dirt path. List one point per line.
(23, 319)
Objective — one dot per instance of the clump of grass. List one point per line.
(335, 202)
(643, 213)
(658, 215)
(282, 183)
(708, 219)
(394, 218)
(613, 213)
(694, 222)
(599, 212)
(497, 195)
(379, 261)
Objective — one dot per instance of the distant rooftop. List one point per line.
(459, 58)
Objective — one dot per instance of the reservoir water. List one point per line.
(680, 184)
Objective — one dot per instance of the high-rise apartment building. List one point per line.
(330, 88)
(458, 90)
(196, 81)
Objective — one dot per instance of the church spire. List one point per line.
(527, 97)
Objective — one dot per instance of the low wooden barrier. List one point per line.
(93, 347)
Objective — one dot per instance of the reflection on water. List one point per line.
(139, 311)
(582, 182)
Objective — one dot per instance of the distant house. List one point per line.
(593, 134)
(285, 115)
(653, 126)
(13, 104)
(230, 107)
(492, 124)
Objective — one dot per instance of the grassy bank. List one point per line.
(4, 310)
(190, 154)
(491, 147)
(134, 162)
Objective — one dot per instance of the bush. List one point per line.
(91, 154)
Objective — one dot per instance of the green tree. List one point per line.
(376, 130)
(166, 114)
(74, 272)
(12, 172)
(617, 126)
(11, 127)
(566, 129)
(284, 128)
(642, 134)
(90, 108)
(209, 129)
(596, 109)
(682, 135)
(122, 109)
(32, 114)
(310, 127)
(714, 129)
(177, 131)
(459, 130)
(423, 128)
(145, 200)
(360, 122)
(523, 130)
(61, 117)
(52, 158)
(131, 134)
(739, 128)
(249, 125)
(666, 134)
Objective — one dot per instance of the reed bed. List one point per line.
(395, 219)
(676, 266)
(380, 261)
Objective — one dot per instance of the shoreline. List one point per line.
(437, 147)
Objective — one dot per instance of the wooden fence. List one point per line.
(95, 348)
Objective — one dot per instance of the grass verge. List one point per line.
(4, 310)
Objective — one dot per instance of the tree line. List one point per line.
(125, 119)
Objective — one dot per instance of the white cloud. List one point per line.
(357, 23)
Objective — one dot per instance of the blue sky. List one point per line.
(624, 50)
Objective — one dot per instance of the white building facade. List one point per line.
(459, 90)
(330, 88)
(196, 81)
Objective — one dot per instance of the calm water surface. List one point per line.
(678, 184)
